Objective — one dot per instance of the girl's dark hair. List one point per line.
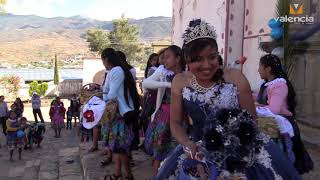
(161, 54)
(274, 63)
(9, 113)
(178, 53)
(193, 48)
(123, 58)
(220, 60)
(162, 51)
(129, 82)
(149, 64)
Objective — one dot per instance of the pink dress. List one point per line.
(56, 113)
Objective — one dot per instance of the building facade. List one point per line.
(242, 29)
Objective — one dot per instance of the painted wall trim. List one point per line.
(226, 33)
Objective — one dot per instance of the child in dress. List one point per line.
(15, 136)
(57, 115)
(24, 127)
(69, 118)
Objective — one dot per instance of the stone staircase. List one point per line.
(92, 170)
(69, 164)
(64, 166)
(31, 170)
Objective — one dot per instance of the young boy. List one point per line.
(69, 118)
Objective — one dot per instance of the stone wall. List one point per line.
(305, 79)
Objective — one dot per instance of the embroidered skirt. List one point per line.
(120, 136)
(158, 136)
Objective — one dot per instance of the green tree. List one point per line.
(56, 71)
(98, 39)
(41, 89)
(124, 37)
(33, 87)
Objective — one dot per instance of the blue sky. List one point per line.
(96, 9)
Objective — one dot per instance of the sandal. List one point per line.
(106, 161)
(112, 177)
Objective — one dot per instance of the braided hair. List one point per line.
(193, 48)
(273, 61)
(129, 82)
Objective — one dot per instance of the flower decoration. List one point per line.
(89, 115)
(213, 140)
(231, 140)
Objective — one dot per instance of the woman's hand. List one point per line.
(192, 147)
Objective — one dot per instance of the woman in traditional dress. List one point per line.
(150, 96)
(56, 114)
(121, 87)
(276, 98)
(158, 137)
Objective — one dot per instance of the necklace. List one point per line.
(198, 87)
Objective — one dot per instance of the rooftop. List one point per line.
(42, 74)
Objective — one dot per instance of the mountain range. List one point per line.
(30, 38)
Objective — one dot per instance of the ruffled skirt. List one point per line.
(273, 165)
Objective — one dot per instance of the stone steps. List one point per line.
(49, 168)
(310, 136)
(69, 164)
(90, 163)
(31, 171)
(92, 170)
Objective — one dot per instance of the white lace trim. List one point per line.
(275, 81)
(264, 159)
(228, 95)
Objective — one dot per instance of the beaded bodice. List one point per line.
(202, 103)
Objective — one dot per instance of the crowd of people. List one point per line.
(197, 117)
(21, 133)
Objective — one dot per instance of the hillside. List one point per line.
(29, 38)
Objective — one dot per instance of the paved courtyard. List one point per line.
(64, 159)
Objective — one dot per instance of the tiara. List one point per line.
(203, 30)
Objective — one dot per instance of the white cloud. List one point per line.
(96, 9)
(44, 8)
(111, 9)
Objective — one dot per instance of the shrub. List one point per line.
(41, 89)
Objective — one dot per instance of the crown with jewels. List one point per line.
(203, 30)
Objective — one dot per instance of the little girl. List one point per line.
(56, 113)
(23, 123)
(14, 137)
